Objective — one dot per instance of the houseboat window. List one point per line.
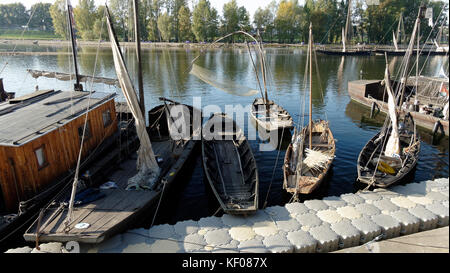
(87, 134)
(106, 118)
(41, 158)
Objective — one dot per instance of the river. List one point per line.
(166, 73)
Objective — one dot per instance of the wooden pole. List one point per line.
(139, 59)
(78, 86)
(310, 86)
(421, 14)
(347, 23)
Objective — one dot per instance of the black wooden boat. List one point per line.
(425, 52)
(376, 169)
(345, 53)
(229, 165)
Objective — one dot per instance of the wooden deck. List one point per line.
(111, 213)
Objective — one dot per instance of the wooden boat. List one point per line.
(345, 51)
(93, 213)
(424, 98)
(267, 114)
(371, 93)
(392, 153)
(306, 179)
(39, 143)
(116, 209)
(230, 166)
(355, 52)
(402, 52)
(4, 96)
(378, 170)
(310, 155)
(272, 119)
(107, 150)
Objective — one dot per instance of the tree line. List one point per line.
(285, 21)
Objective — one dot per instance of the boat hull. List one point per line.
(380, 178)
(118, 209)
(279, 119)
(230, 169)
(346, 53)
(357, 93)
(303, 183)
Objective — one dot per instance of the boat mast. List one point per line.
(310, 85)
(404, 79)
(344, 35)
(77, 86)
(263, 71)
(138, 54)
(400, 29)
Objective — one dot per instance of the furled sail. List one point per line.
(228, 85)
(395, 41)
(146, 164)
(69, 77)
(343, 40)
(393, 144)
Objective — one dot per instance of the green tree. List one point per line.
(58, 13)
(13, 15)
(120, 10)
(165, 26)
(41, 17)
(230, 21)
(184, 20)
(263, 20)
(100, 29)
(153, 13)
(235, 18)
(85, 16)
(287, 20)
(204, 21)
(174, 6)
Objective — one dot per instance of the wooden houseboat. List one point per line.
(40, 138)
(371, 93)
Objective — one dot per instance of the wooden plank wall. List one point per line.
(61, 150)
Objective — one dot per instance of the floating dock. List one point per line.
(328, 225)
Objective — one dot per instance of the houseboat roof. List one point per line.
(28, 117)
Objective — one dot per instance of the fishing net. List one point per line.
(69, 77)
(316, 159)
(226, 85)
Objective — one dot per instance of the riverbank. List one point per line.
(65, 43)
(314, 226)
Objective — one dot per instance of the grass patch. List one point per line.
(27, 35)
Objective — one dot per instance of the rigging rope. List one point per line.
(75, 183)
(21, 37)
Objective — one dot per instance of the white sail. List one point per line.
(395, 41)
(343, 40)
(146, 164)
(393, 144)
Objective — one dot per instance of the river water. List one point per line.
(166, 73)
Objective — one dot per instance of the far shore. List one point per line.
(144, 44)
